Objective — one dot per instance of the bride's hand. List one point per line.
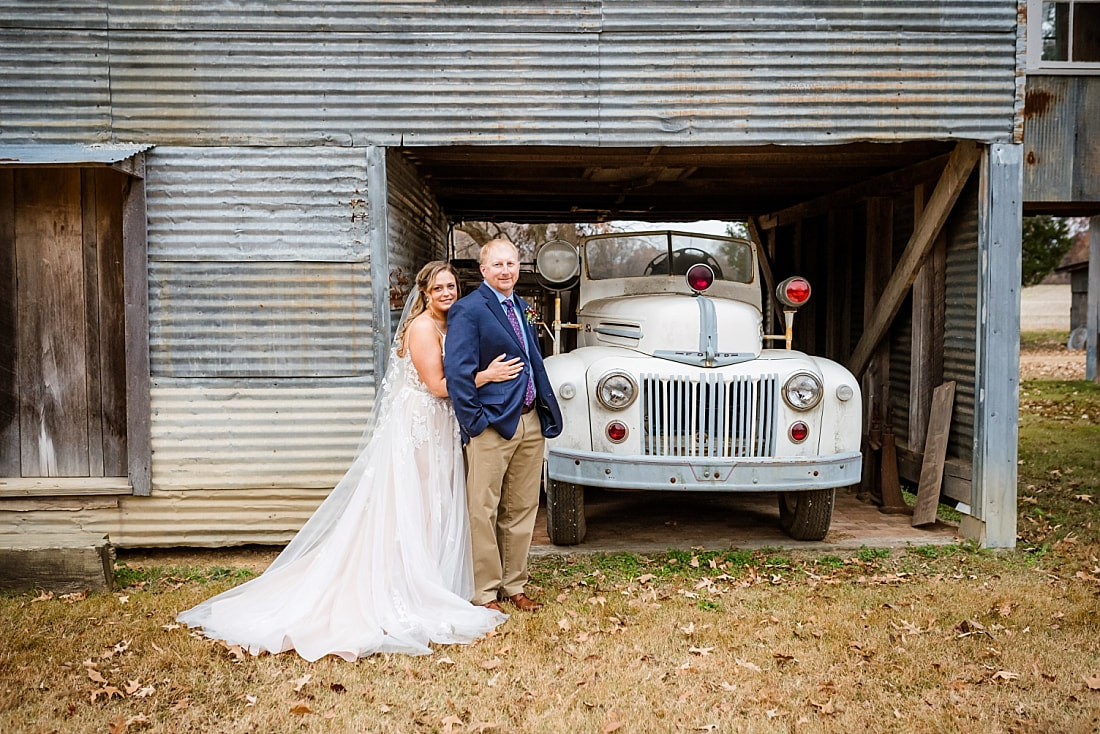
(500, 370)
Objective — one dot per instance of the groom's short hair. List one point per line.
(484, 251)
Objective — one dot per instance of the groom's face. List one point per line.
(500, 267)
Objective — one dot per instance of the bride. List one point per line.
(384, 563)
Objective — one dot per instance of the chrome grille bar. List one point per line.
(709, 416)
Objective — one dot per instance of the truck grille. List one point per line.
(709, 415)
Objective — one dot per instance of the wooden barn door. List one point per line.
(62, 336)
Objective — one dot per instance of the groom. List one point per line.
(503, 425)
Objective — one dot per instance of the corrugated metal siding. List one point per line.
(418, 230)
(1049, 138)
(1062, 124)
(737, 15)
(961, 318)
(354, 89)
(607, 72)
(498, 16)
(294, 434)
(51, 14)
(258, 262)
(257, 204)
(260, 318)
(805, 87)
(55, 86)
(263, 319)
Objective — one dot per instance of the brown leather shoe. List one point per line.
(524, 603)
(495, 606)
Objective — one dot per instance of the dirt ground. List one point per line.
(1052, 364)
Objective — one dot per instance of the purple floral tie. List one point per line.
(510, 309)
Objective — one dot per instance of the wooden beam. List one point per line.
(947, 191)
(1092, 297)
(885, 184)
(62, 487)
(135, 278)
(766, 269)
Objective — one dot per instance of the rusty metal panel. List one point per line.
(240, 204)
(961, 318)
(1050, 122)
(259, 319)
(287, 434)
(55, 85)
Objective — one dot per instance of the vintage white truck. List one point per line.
(671, 387)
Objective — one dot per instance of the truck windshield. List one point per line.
(632, 255)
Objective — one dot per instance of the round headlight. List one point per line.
(616, 390)
(802, 391)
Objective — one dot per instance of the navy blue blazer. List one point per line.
(478, 332)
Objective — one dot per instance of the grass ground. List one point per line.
(924, 639)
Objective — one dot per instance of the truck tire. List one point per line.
(806, 515)
(565, 512)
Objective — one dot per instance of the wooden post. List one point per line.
(1092, 316)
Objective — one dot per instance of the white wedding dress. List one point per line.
(384, 563)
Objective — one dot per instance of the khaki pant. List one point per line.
(502, 494)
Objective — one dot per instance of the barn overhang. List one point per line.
(661, 183)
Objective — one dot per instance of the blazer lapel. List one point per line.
(493, 304)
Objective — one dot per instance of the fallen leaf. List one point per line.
(700, 650)
(181, 704)
(564, 625)
(613, 725)
(44, 596)
(1093, 682)
(444, 661)
(301, 708)
(646, 578)
(132, 687)
(148, 690)
(123, 598)
(1005, 675)
(170, 626)
(450, 722)
(491, 664)
(301, 682)
(746, 664)
(96, 676)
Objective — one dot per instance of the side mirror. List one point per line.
(557, 265)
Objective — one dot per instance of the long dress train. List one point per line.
(384, 564)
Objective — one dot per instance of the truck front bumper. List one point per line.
(704, 474)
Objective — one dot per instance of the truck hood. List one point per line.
(696, 330)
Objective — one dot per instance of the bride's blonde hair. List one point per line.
(425, 279)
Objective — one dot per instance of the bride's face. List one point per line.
(442, 293)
